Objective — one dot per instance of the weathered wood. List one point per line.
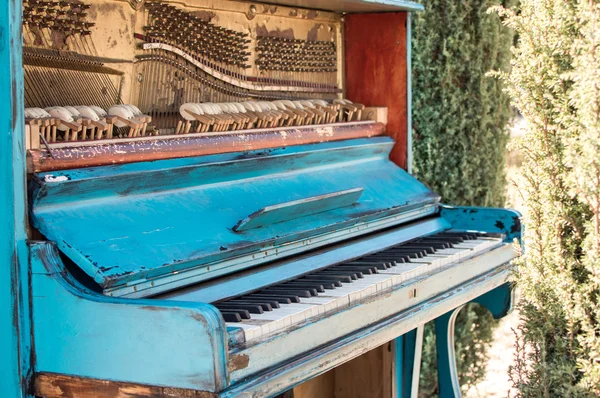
(322, 386)
(367, 376)
(379, 58)
(120, 151)
(51, 385)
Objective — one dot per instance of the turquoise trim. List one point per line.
(399, 4)
(14, 294)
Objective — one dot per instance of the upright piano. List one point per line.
(220, 201)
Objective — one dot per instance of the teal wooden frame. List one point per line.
(15, 340)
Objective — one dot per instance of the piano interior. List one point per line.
(116, 70)
(219, 196)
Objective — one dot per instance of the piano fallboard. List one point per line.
(158, 226)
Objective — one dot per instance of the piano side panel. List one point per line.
(502, 221)
(376, 70)
(80, 334)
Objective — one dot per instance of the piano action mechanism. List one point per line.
(218, 205)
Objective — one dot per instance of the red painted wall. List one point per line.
(375, 46)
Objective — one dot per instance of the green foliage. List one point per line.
(460, 117)
(460, 114)
(555, 83)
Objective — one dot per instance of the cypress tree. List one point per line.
(555, 83)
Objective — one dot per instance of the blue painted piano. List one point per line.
(218, 220)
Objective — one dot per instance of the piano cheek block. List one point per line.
(176, 344)
(503, 221)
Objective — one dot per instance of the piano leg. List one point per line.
(498, 301)
(448, 383)
(407, 364)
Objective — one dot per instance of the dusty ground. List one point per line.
(496, 383)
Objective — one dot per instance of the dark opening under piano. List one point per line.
(236, 218)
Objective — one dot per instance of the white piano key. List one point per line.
(365, 287)
(251, 331)
(434, 261)
(477, 246)
(402, 272)
(452, 255)
(287, 315)
(326, 302)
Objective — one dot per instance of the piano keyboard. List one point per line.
(277, 307)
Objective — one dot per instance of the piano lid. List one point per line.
(352, 6)
(156, 226)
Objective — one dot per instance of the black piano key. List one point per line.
(231, 316)
(282, 299)
(453, 239)
(265, 306)
(297, 292)
(366, 270)
(464, 235)
(427, 248)
(399, 252)
(327, 277)
(406, 250)
(328, 284)
(392, 259)
(437, 244)
(244, 314)
(375, 263)
(341, 274)
(358, 265)
(272, 303)
(305, 285)
(401, 256)
(354, 275)
(336, 277)
(450, 233)
(251, 308)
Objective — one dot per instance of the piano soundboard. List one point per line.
(218, 198)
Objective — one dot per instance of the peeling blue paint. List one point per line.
(15, 337)
(176, 216)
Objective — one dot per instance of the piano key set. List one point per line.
(289, 304)
(217, 199)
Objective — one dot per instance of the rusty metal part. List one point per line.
(69, 60)
(88, 154)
